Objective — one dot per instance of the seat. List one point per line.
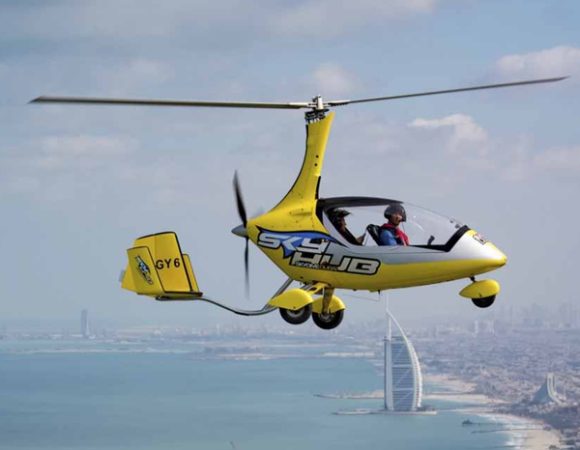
(374, 231)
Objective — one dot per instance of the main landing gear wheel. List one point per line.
(328, 321)
(296, 317)
(484, 302)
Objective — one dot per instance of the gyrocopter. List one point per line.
(307, 238)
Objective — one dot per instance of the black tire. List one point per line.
(484, 302)
(296, 317)
(328, 321)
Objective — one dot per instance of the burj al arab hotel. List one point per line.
(403, 381)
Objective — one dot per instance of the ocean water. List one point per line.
(89, 398)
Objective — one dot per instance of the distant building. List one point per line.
(483, 327)
(547, 393)
(85, 329)
(403, 380)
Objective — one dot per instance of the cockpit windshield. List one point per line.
(358, 222)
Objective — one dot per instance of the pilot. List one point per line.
(390, 233)
(337, 217)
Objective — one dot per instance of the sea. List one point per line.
(105, 396)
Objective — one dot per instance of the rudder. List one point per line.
(158, 268)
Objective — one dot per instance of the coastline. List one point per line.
(523, 432)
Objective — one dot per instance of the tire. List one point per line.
(328, 321)
(298, 316)
(484, 302)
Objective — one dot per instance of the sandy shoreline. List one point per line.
(524, 433)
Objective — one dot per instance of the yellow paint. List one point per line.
(481, 289)
(293, 299)
(304, 188)
(172, 276)
(168, 261)
(157, 268)
(389, 276)
(297, 210)
(145, 280)
(315, 288)
(190, 273)
(336, 304)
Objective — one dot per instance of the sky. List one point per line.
(79, 183)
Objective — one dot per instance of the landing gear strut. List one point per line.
(325, 318)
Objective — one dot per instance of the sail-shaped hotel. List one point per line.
(403, 381)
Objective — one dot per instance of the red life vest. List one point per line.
(400, 236)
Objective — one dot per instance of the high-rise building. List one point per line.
(547, 393)
(85, 330)
(403, 380)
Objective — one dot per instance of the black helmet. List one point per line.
(338, 213)
(395, 208)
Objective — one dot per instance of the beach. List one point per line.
(525, 433)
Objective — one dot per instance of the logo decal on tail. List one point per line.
(144, 269)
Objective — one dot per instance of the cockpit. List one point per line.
(359, 221)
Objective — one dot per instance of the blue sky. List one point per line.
(78, 184)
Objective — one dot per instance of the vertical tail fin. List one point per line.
(159, 269)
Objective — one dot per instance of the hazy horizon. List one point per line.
(79, 184)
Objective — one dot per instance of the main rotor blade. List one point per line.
(147, 102)
(446, 91)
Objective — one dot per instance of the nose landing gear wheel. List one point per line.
(328, 321)
(484, 302)
(296, 317)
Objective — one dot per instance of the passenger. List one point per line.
(337, 217)
(390, 233)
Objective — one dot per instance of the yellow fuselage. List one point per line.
(281, 232)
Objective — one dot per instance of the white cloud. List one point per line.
(520, 162)
(118, 19)
(153, 19)
(22, 184)
(332, 80)
(58, 152)
(558, 159)
(557, 61)
(327, 18)
(133, 75)
(466, 135)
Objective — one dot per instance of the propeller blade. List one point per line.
(240, 200)
(247, 268)
(239, 230)
(186, 103)
(446, 91)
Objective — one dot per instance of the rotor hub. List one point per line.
(318, 110)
